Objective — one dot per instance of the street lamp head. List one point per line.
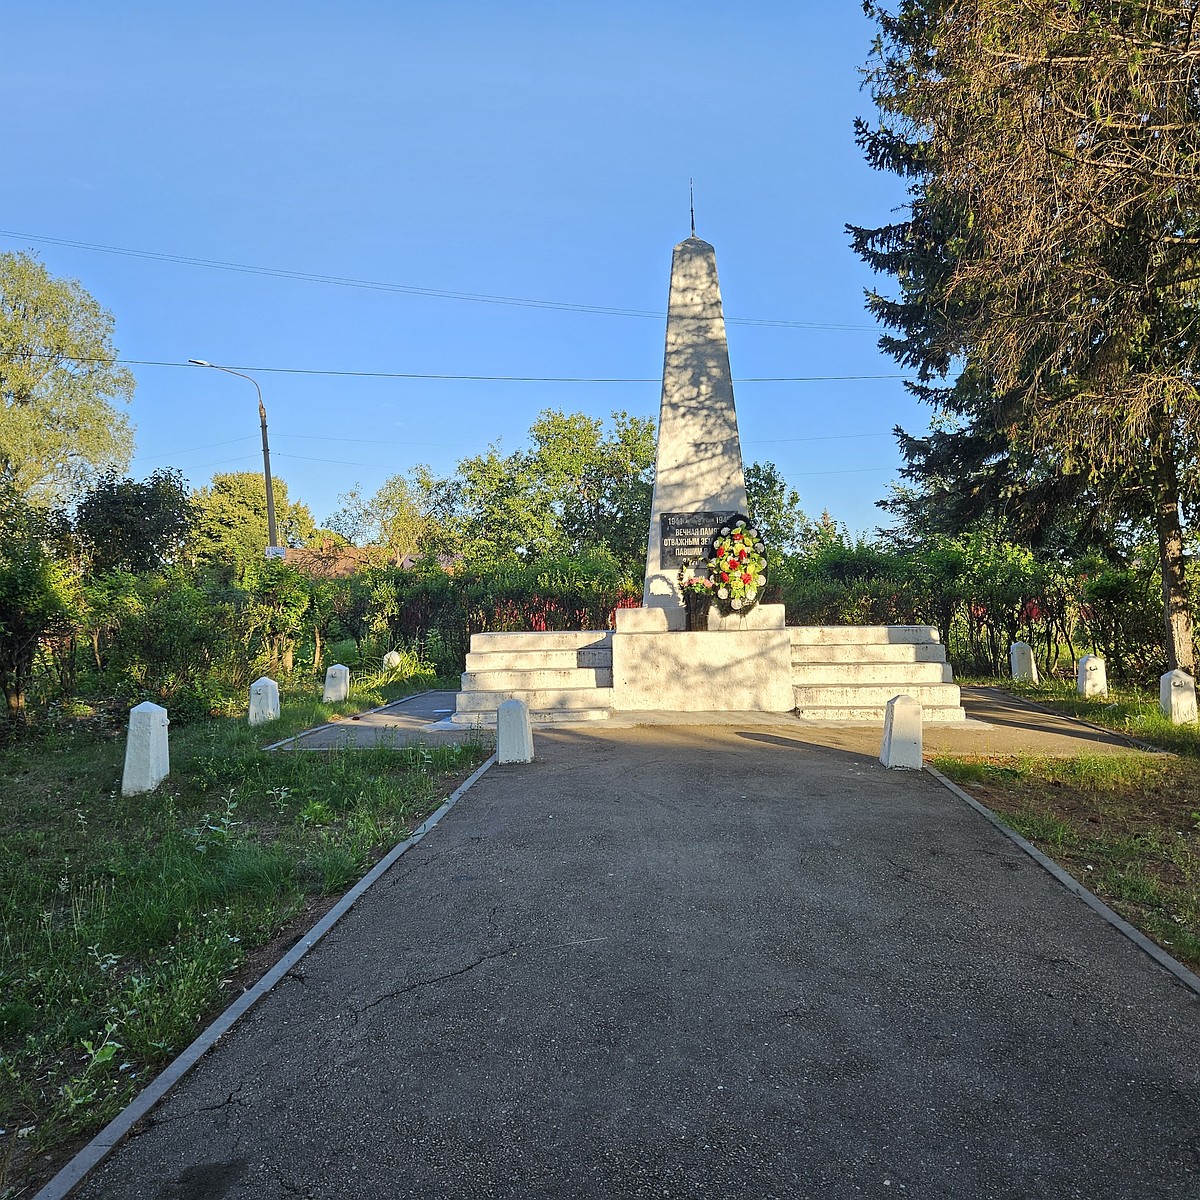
(262, 417)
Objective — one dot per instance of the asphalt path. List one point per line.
(697, 962)
(997, 724)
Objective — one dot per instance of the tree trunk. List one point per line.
(1177, 613)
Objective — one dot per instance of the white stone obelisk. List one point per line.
(699, 465)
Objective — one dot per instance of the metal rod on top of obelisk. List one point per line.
(692, 203)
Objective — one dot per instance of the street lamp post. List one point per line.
(272, 536)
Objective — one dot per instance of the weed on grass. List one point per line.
(125, 919)
(1127, 827)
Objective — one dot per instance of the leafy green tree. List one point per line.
(278, 599)
(171, 635)
(39, 595)
(1051, 253)
(59, 384)
(776, 508)
(578, 488)
(125, 525)
(596, 484)
(231, 522)
(393, 518)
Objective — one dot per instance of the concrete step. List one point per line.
(900, 652)
(944, 695)
(487, 643)
(931, 715)
(858, 635)
(538, 699)
(554, 716)
(845, 674)
(505, 680)
(538, 660)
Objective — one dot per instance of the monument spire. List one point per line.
(698, 480)
(692, 202)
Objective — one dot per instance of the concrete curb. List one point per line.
(107, 1140)
(1139, 939)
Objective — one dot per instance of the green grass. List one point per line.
(124, 920)
(1126, 827)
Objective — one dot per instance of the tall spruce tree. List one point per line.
(1050, 254)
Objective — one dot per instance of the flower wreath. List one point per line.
(738, 565)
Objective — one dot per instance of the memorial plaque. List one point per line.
(686, 537)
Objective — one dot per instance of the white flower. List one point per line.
(753, 531)
(735, 603)
(760, 580)
(723, 593)
(725, 531)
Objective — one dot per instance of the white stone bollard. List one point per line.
(147, 757)
(391, 660)
(337, 683)
(1020, 660)
(514, 737)
(1177, 696)
(264, 701)
(1092, 678)
(902, 738)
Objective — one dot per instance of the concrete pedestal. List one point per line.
(514, 735)
(761, 616)
(264, 701)
(147, 754)
(1022, 663)
(902, 735)
(702, 672)
(1092, 676)
(1177, 697)
(337, 684)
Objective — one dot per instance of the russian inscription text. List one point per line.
(687, 537)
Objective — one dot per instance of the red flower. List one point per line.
(747, 578)
(742, 555)
(724, 576)
(737, 537)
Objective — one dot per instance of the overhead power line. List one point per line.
(409, 289)
(320, 437)
(152, 362)
(341, 462)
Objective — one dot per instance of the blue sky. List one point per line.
(532, 151)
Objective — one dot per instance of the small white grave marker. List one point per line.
(337, 683)
(1177, 696)
(514, 737)
(264, 701)
(1020, 659)
(1093, 676)
(391, 660)
(902, 736)
(147, 757)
